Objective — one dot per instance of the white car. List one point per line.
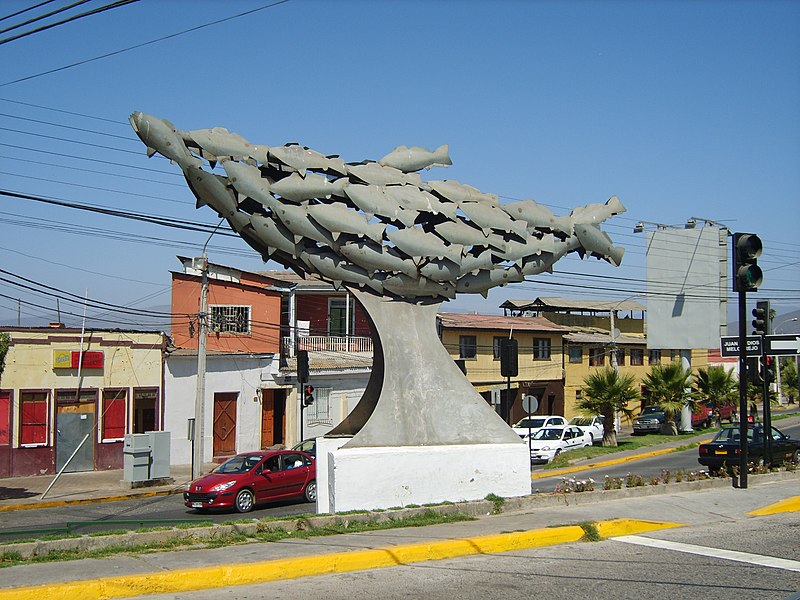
(591, 425)
(548, 443)
(530, 425)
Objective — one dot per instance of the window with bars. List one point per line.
(541, 348)
(229, 319)
(467, 346)
(597, 357)
(637, 357)
(620, 357)
(655, 357)
(33, 410)
(575, 354)
(320, 410)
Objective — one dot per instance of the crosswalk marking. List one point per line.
(745, 557)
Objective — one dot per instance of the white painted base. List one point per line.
(388, 477)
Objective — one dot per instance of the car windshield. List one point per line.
(584, 421)
(548, 434)
(754, 435)
(238, 464)
(649, 410)
(530, 423)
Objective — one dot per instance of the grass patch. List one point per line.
(264, 534)
(590, 532)
(498, 503)
(109, 532)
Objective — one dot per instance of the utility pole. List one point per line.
(199, 402)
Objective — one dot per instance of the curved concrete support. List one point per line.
(424, 399)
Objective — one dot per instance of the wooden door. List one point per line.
(225, 423)
(273, 417)
(5, 434)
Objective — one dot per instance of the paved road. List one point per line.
(648, 467)
(608, 569)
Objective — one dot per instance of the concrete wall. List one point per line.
(241, 373)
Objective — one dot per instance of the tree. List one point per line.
(5, 343)
(789, 379)
(606, 392)
(718, 386)
(669, 387)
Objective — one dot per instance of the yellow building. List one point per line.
(474, 343)
(60, 385)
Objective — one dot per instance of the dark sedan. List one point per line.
(725, 449)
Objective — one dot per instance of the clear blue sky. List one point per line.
(680, 109)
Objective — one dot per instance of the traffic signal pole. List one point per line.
(743, 389)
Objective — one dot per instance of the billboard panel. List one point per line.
(687, 287)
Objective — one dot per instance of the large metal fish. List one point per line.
(217, 142)
(372, 200)
(598, 244)
(212, 190)
(159, 135)
(374, 257)
(411, 197)
(337, 218)
(417, 244)
(301, 158)
(249, 183)
(274, 235)
(484, 280)
(332, 267)
(538, 216)
(416, 158)
(410, 287)
(597, 213)
(297, 188)
(296, 220)
(459, 232)
(460, 192)
(372, 173)
(491, 216)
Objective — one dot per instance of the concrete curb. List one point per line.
(218, 576)
(201, 535)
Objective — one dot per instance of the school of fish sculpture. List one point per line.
(375, 225)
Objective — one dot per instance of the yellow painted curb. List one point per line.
(783, 506)
(616, 527)
(604, 463)
(185, 580)
(57, 503)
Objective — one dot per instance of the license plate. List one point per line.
(197, 505)
(720, 452)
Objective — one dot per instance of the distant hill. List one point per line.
(788, 322)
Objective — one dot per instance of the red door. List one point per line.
(5, 434)
(273, 417)
(225, 424)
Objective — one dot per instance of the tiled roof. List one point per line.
(584, 337)
(557, 303)
(497, 322)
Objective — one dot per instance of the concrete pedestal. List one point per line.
(388, 477)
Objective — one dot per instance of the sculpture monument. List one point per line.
(402, 246)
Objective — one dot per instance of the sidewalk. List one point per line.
(182, 571)
(21, 493)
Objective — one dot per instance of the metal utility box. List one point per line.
(136, 454)
(159, 457)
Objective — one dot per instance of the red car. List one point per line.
(254, 477)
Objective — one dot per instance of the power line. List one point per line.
(143, 44)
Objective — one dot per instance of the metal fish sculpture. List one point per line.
(375, 225)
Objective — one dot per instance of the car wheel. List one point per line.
(244, 501)
(311, 491)
(796, 457)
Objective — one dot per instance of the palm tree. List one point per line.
(668, 386)
(606, 393)
(789, 379)
(718, 386)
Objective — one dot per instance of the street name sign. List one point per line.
(729, 345)
(782, 344)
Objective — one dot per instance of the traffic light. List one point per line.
(753, 374)
(768, 372)
(761, 318)
(308, 395)
(302, 366)
(747, 275)
(508, 358)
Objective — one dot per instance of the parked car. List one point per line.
(725, 449)
(530, 425)
(254, 477)
(727, 412)
(549, 442)
(591, 425)
(653, 416)
(308, 446)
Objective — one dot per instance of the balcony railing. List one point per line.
(322, 343)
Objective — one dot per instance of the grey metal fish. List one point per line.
(159, 135)
(459, 232)
(301, 158)
(416, 158)
(274, 235)
(491, 216)
(296, 220)
(372, 173)
(373, 201)
(249, 183)
(410, 287)
(538, 216)
(337, 218)
(416, 243)
(297, 188)
(460, 192)
(484, 280)
(217, 142)
(597, 213)
(333, 268)
(374, 257)
(412, 198)
(598, 244)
